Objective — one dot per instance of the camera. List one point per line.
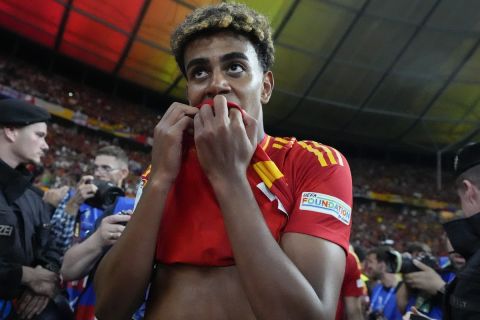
(106, 194)
(403, 263)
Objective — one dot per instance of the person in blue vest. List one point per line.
(384, 287)
(423, 289)
(97, 228)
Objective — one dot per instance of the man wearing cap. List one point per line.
(28, 254)
(232, 223)
(463, 294)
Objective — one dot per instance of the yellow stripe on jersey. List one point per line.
(265, 145)
(268, 172)
(281, 140)
(339, 156)
(319, 155)
(327, 151)
(281, 143)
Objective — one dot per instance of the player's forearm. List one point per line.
(80, 259)
(353, 308)
(124, 273)
(276, 289)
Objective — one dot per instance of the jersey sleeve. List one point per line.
(322, 185)
(352, 283)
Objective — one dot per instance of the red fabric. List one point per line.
(352, 285)
(305, 174)
(230, 104)
(192, 229)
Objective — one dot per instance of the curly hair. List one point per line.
(234, 17)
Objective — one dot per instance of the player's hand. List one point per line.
(427, 280)
(111, 229)
(225, 140)
(40, 280)
(31, 304)
(167, 141)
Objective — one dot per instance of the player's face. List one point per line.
(227, 64)
(30, 144)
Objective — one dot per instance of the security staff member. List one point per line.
(28, 257)
(463, 294)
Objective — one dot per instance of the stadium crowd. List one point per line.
(124, 116)
(73, 149)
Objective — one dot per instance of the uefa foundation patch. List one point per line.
(323, 203)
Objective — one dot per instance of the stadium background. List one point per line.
(393, 84)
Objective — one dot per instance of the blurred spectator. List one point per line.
(384, 285)
(353, 291)
(375, 221)
(399, 178)
(111, 166)
(85, 101)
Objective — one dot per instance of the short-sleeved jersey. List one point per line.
(300, 186)
(321, 185)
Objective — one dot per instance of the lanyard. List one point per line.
(376, 297)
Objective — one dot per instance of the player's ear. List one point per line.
(267, 87)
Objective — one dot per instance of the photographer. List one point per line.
(96, 230)
(29, 256)
(424, 282)
(383, 304)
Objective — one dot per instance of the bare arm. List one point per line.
(296, 282)
(300, 279)
(402, 298)
(80, 259)
(119, 290)
(353, 308)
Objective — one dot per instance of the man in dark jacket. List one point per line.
(29, 261)
(463, 294)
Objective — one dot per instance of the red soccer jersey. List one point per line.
(301, 187)
(321, 185)
(352, 286)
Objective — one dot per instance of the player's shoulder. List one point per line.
(309, 151)
(280, 143)
(319, 153)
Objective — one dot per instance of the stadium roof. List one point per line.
(382, 72)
